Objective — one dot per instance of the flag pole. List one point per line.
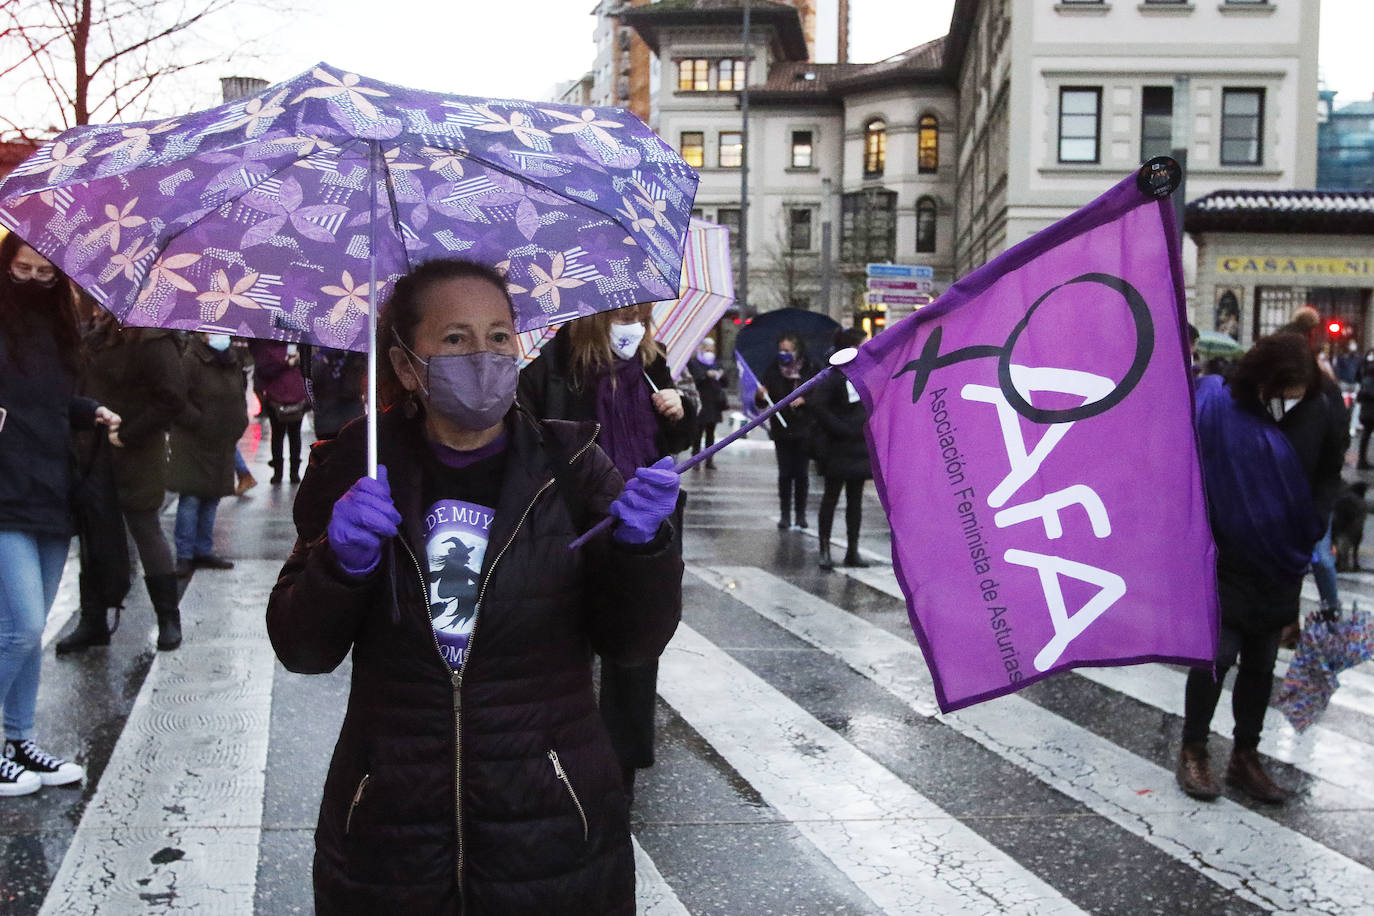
(839, 358)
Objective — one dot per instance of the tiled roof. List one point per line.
(803, 79)
(1283, 211)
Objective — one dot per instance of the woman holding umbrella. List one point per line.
(39, 361)
(472, 775)
(609, 369)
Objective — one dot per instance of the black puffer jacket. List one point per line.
(35, 436)
(839, 444)
(524, 840)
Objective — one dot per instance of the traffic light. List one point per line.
(1334, 328)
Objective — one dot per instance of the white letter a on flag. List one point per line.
(1067, 627)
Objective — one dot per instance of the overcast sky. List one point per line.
(522, 48)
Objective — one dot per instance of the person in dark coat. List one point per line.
(841, 454)
(790, 428)
(472, 773)
(204, 437)
(337, 382)
(39, 362)
(608, 368)
(1272, 446)
(1364, 397)
(709, 379)
(281, 388)
(138, 373)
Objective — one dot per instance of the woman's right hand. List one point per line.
(363, 519)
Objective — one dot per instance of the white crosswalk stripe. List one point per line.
(901, 850)
(1258, 860)
(174, 826)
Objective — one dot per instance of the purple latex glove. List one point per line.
(363, 519)
(650, 497)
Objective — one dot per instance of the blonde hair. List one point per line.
(590, 340)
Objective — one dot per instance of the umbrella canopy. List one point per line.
(1328, 646)
(289, 214)
(706, 290)
(1215, 343)
(758, 340)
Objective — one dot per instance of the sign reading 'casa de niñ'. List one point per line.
(1296, 267)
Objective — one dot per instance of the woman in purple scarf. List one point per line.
(607, 367)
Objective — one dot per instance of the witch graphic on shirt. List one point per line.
(456, 542)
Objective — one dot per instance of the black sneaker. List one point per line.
(51, 771)
(211, 561)
(15, 780)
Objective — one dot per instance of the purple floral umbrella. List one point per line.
(289, 214)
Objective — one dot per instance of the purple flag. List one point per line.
(748, 384)
(1033, 443)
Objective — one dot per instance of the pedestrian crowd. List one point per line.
(501, 780)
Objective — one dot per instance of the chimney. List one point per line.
(234, 88)
(842, 36)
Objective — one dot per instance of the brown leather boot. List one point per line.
(1194, 775)
(1246, 773)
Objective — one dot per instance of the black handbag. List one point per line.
(104, 547)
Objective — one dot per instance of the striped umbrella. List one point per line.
(706, 290)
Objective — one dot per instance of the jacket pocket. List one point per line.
(562, 775)
(357, 800)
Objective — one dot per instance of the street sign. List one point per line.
(915, 286)
(900, 271)
(886, 297)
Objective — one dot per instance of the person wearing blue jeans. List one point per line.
(39, 408)
(195, 533)
(1324, 572)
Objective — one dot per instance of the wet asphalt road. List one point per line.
(802, 766)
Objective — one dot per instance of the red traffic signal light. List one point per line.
(1334, 328)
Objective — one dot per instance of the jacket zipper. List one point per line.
(357, 798)
(456, 677)
(563, 777)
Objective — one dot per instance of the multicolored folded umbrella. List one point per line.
(706, 290)
(289, 214)
(1326, 648)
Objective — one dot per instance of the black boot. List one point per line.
(276, 472)
(784, 506)
(163, 592)
(827, 562)
(91, 630)
(851, 556)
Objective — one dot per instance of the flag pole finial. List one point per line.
(1159, 177)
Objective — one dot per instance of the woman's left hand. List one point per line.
(668, 401)
(107, 418)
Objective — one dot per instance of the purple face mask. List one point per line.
(474, 390)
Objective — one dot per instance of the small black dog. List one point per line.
(1347, 526)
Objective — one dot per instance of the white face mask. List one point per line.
(1279, 407)
(625, 339)
(218, 342)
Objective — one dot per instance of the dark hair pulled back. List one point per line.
(401, 314)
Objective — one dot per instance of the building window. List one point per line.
(1242, 119)
(693, 75)
(801, 149)
(693, 148)
(925, 225)
(729, 218)
(868, 226)
(928, 145)
(799, 229)
(1080, 115)
(731, 149)
(875, 148)
(1156, 121)
(730, 75)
